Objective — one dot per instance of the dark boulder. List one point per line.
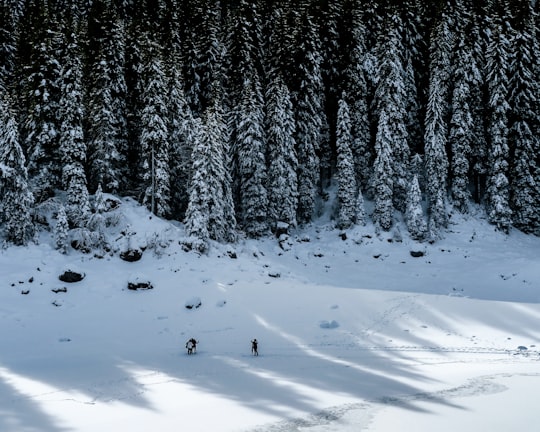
(70, 276)
(59, 290)
(140, 285)
(282, 228)
(131, 255)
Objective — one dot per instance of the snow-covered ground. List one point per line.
(354, 334)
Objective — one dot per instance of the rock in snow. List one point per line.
(193, 303)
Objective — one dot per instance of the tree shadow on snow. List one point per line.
(19, 413)
(286, 381)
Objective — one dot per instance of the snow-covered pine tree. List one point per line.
(72, 142)
(414, 215)
(16, 200)
(330, 24)
(40, 90)
(203, 50)
(357, 92)
(460, 134)
(96, 224)
(222, 217)
(154, 139)
(497, 193)
(245, 69)
(524, 100)
(383, 175)
(251, 152)
(475, 72)
(10, 12)
(374, 19)
(61, 230)
(328, 16)
(391, 97)
(281, 29)
(172, 30)
(245, 41)
(197, 218)
(210, 212)
(282, 161)
(193, 31)
(181, 127)
(214, 50)
(310, 117)
(133, 62)
(107, 135)
(415, 47)
(535, 29)
(360, 211)
(283, 193)
(436, 159)
(116, 60)
(346, 179)
(184, 133)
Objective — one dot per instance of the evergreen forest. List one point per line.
(244, 118)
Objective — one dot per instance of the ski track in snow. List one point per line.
(404, 306)
(365, 412)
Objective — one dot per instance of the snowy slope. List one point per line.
(354, 334)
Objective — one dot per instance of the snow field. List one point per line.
(354, 334)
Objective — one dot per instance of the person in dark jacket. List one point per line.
(191, 346)
(254, 347)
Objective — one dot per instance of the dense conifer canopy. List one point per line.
(243, 115)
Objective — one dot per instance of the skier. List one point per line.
(254, 348)
(191, 346)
